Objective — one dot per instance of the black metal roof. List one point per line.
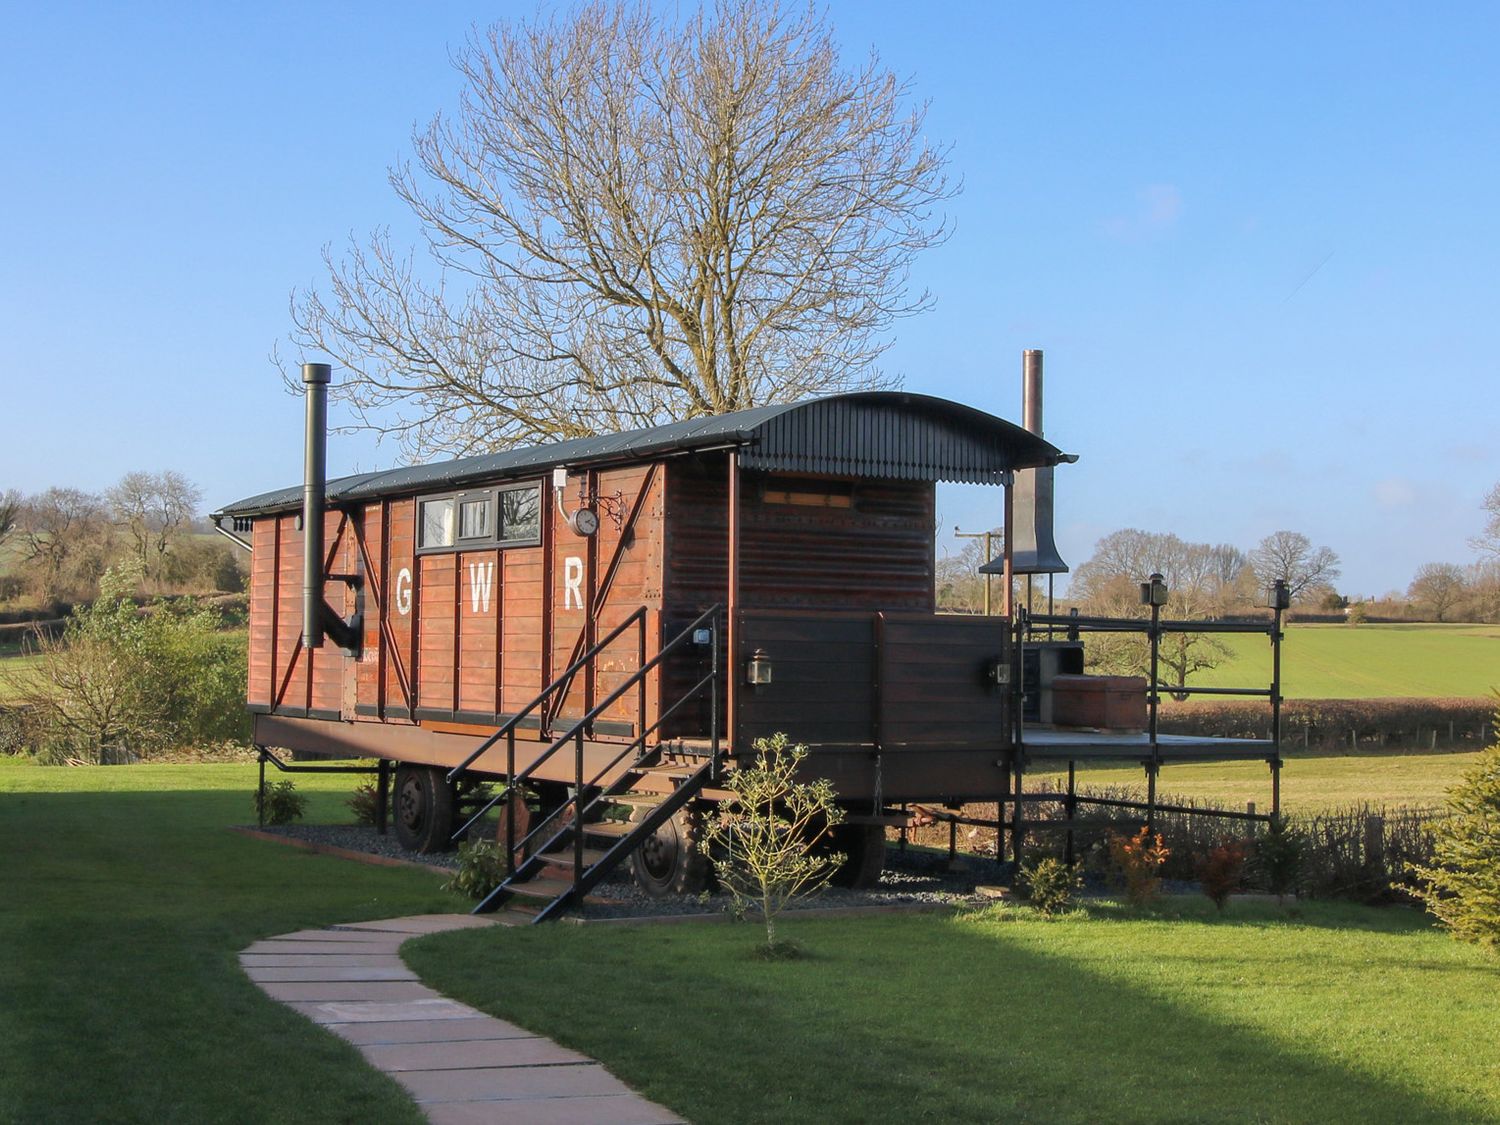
(881, 434)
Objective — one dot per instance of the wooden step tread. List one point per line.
(564, 858)
(547, 889)
(611, 828)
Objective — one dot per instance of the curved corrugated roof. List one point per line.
(882, 434)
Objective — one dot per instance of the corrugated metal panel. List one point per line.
(878, 434)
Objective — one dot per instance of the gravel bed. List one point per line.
(910, 878)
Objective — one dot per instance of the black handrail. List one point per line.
(574, 734)
(509, 726)
(593, 782)
(1154, 629)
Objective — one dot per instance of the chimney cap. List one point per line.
(317, 372)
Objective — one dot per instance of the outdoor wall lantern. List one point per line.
(1154, 592)
(758, 671)
(999, 671)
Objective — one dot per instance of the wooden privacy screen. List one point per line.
(899, 681)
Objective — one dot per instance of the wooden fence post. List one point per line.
(1375, 843)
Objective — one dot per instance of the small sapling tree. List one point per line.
(1051, 885)
(1462, 887)
(1138, 859)
(765, 847)
(1220, 871)
(1278, 858)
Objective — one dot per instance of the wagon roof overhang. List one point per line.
(889, 435)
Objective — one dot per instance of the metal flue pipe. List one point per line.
(1031, 390)
(315, 378)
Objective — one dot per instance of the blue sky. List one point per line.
(1257, 244)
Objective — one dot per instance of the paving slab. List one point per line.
(373, 1012)
(385, 947)
(494, 1084)
(318, 960)
(461, 1066)
(377, 990)
(271, 975)
(472, 1055)
(337, 936)
(613, 1109)
(419, 924)
(429, 1031)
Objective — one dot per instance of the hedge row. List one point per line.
(1362, 852)
(1343, 723)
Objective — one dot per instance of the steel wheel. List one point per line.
(669, 862)
(425, 808)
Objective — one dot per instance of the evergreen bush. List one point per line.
(279, 803)
(1462, 885)
(1050, 885)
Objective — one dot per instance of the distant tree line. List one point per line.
(1221, 580)
(55, 545)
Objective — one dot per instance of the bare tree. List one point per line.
(10, 508)
(1291, 557)
(1437, 589)
(1488, 540)
(631, 220)
(1108, 584)
(154, 509)
(64, 538)
(959, 585)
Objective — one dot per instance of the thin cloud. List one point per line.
(1158, 206)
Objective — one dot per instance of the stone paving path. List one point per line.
(461, 1066)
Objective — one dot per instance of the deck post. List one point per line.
(732, 670)
(260, 803)
(1017, 823)
(382, 794)
(1151, 768)
(1070, 809)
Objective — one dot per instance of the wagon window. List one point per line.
(474, 519)
(521, 515)
(437, 523)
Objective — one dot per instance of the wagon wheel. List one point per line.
(863, 846)
(669, 862)
(425, 808)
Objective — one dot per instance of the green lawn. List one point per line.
(126, 900)
(1325, 1013)
(1308, 783)
(1368, 662)
(121, 1000)
(10, 668)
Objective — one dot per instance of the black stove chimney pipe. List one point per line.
(315, 377)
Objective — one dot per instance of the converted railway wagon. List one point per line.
(795, 540)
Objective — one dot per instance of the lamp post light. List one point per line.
(1153, 594)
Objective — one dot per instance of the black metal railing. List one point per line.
(590, 791)
(1154, 628)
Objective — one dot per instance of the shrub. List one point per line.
(1220, 871)
(481, 868)
(1138, 860)
(1277, 858)
(1462, 885)
(365, 803)
(764, 847)
(1050, 885)
(121, 681)
(279, 803)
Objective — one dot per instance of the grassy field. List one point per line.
(11, 668)
(1308, 783)
(1368, 662)
(1322, 1013)
(126, 900)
